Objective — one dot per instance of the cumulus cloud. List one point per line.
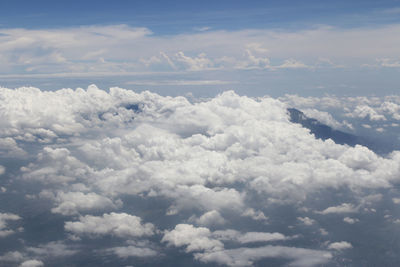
(209, 246)
(306, 220)
(227, 174)
(340, 245)
(4, 228)
(71, 203)
(194, 238)
(350, 220)
(32, 263)
(208, 219)
(117, 224)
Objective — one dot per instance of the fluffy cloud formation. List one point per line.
(4, 219)
(195, 239)
(340, 245)
(360, 110)
(247, 256)
(229, 180)
(209, 247)
(117, 224)
(74, 202)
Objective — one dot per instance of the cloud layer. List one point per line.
(228, 180)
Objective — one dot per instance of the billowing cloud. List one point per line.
(229, 180)
(118, 224)
(74, 202)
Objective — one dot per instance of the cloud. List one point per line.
(251, 237)
(4, 218)
(208, 219)
(117, 224)
(350, 220)
(121, 48)
(75, 202)
(133, 251)
(306, 221)
(343, 208)
(12, 256)
(209, 248)
(52, 249)
(340, 245)
(247, 256)
(201, 62)
(232, 179)
(182, 82)
(32, 263)
(193, 238)
(292, 64)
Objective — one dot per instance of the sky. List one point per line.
(161, 133)
(205, 47)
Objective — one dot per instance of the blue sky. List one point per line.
(179, 16)
(203, 47)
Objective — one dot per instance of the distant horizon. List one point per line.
(258, 48)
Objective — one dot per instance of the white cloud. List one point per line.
(219, 163)
(323, 117)
(208, 219)
(306, 220)
(340, 245)
(247, 256)
(350, 220)
(292, 64)
(193, 238)
(71, 203)
(251, 237)
(209, 248)
(343, 208)
(121, 48)
(4, 229)
(32, 263)
(52, 249)
(12, 256)
(201, 62)
(255, 215)
(118, 224)
(133, 251)
(364, 111)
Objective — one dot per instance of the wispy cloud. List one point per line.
(121, 48)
